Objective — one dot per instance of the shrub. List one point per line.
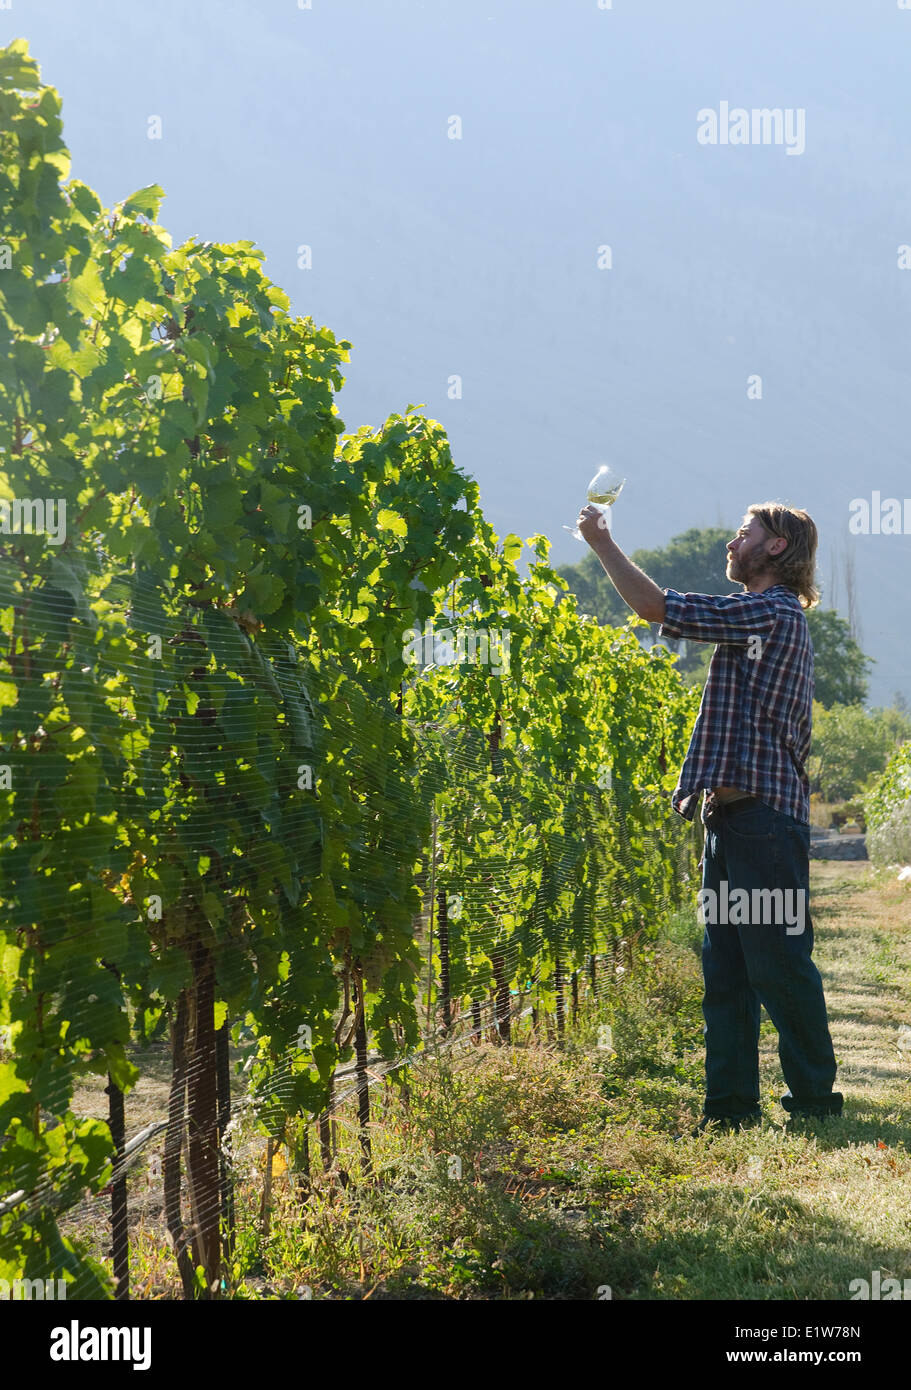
(888, 809)
(851, 745)
(846, 811)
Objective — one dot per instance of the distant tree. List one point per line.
(694, 562)
(594, 592)
(841, 667)
(851, 745)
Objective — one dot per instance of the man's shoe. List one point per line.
(830, 1107)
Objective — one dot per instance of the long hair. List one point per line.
(795, 567)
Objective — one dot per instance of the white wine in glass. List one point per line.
(604, 489)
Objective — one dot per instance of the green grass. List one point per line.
(571, 1181)
(537, 1172)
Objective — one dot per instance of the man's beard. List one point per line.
(744, 568)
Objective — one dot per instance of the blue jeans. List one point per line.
(759, 960)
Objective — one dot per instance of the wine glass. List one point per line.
(603, 490)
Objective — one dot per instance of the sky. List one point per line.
(513, 219)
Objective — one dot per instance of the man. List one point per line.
(748, 754)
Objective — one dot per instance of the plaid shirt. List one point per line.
(753, 729)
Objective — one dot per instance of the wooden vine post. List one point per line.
(558, 988)
(120, 1249)
(501, 997)
(226, 1180)
(203, 1175)
(443, 938)
(173, 1146)
(363, 1085)
(324, 1126)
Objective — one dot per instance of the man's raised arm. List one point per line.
(632, 584)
